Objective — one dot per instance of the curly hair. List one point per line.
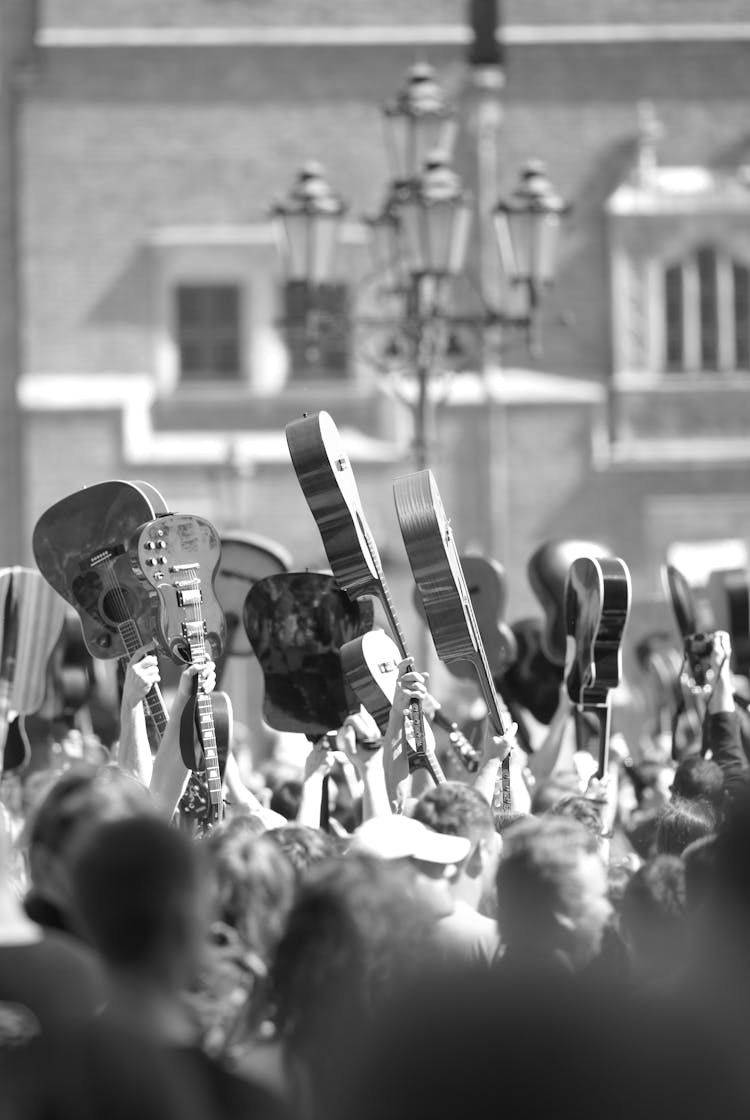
(303, 846)
(456, 809)
(254, 882)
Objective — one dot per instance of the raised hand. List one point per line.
(141, 675)
(206, 673)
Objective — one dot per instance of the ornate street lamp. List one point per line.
(435, 215)
(307, 226)
(527, 226)
(418, 122)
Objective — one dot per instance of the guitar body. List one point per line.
(370, 663)
(245, 559)
(547, 571)
(597, 606)
(297, 624)
(39, 620)
(729, 594)
(328, 483)
(441, 583)
(78, 545)
(486, 583)
(167, 553)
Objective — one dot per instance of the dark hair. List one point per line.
(698, 778)
(456, 809)
(303, 846)
(254, 883)
(699, 859)
(582, 809)
(682, 822)
(85, 795)
(653, 908)
(135, 884)
(538, 878)
(286, 799)
(354, 933)
(548, 792)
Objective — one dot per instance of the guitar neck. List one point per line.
(154, 701)
(194, 630)
(6, 689)
(603, 713)
(423, 757)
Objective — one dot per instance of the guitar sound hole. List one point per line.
(117, 605)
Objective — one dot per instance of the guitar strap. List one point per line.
(189, 739)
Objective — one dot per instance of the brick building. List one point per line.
(146, 139)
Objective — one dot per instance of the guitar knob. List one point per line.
(160, 560)
(149, 545)
(161, 544)
(151, 562)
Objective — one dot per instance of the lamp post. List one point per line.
(420, 240)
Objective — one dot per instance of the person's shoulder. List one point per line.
(235, 1095)
(471, 934)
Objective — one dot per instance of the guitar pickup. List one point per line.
(190, 598)
(194, 629)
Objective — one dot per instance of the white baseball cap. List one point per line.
(399, 837)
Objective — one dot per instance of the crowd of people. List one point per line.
(355, 940)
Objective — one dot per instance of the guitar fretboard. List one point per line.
(154, 701)
(188, 587)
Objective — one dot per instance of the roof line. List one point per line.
(435, 35)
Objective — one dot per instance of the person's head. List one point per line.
(552, 891)
(549, 792)
(356, 931)
(140, 890)
(434, 858)
(681, 823)
(81, 798)
(698, 779)
(652, 917)
(455, 809)
(303, 846)
(254, 883)
(286, 798)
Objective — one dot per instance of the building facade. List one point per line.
(150, 139)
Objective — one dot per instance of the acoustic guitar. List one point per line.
(487, 585)
(297, 624)
(79, 545)
(441, 583)
(597, 606)
(246, 558)
(371, 667)
(547, 570)
(327, 480)
(729, 595)
(177, 556)
(31, 620)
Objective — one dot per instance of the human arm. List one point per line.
(134, 751)
(240, 796)
(170, 774)
(559, 745)
(721, 727)
(495, 750)
(410, 685)
(318, 766)
(359, 739)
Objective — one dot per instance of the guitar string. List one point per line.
(194, 614)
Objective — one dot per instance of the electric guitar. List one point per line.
(31, 620)
(327, 480)
(177, 556)
(297, 624)
(371, 667)
(597, 605)
(441, 583)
